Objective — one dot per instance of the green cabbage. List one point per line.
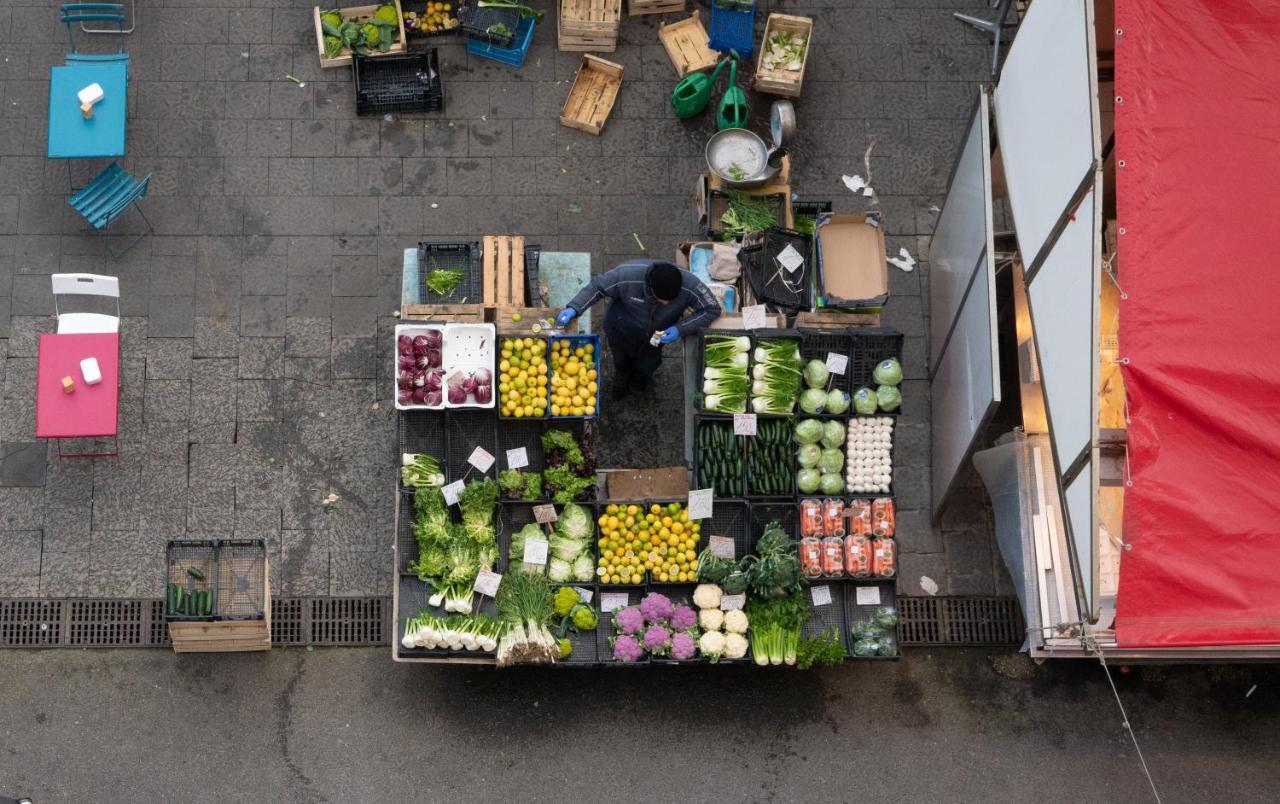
(808, 431)
(864, 401)
(813, 400)
(574, 523)
(888, 397)
(559, 570)
(837, 401)
(807, 480)
(564, 548)
(832, 484)
(832, 434)
(816, 374)
(808, 454)
(831, 461)
(888, 372)
(584, 568)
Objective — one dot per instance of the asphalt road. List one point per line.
(348, 726)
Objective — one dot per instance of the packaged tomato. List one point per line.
(833, 517)
(833, 557)
(860, 517)
(857, 555)
(811, 518)
(883, 519)
(811, 557)
(884, 558)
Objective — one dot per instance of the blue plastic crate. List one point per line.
(514, 55)
(579, 340)
(732, 30)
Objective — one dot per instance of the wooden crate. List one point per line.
(686, 44)
(224, 636)
(528, 317)
(502, 275)
(638, 7)
(588, 25)
(449, 313)
(833, 319)
(360, 14)
(783, 82)
(592, 95)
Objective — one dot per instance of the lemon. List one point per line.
(515, 317)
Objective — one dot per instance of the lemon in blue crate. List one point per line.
(573, 379)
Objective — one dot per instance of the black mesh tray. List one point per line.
(822, 619)
(730, 487)
(464, 431)
(816, 344)
(200, 555)
(870, 346)
(516, 433)
(768, 279)
(731, 518)
(787, 514)
(476, 22)
(718, 203)
(421, 431)
(398, 82)
(532, 292)
(450, 256)
(702, 364)
(242, 579)
(415, 598)
(604, 629)
(406, 541)
(854, 613)
(754, 447)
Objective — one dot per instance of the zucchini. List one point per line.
(195, 573)
(208, 602)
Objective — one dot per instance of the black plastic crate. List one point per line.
(787, 514)
(732, 519)
(422, 431)
(518, 433)
(416, 34)
(242, 579)
(760, 455)
(808, 209)
(680, 594)
(464, 431)
(605, 630)
(816, 344)
(763, 336)
(831, 616)
(893, 438)
(718, 204)
(200, 555)
(463, 257)
(702, 363)
(532, 291)
(769, 281)
(709, 434)
(406, 541)
(855, 613)
(870, 346)
(477, 23)
(653, 579)
(414, 599)
(398, 82)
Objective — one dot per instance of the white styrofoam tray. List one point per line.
(468, 347)
(413, 330)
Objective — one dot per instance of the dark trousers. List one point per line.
(633, 357)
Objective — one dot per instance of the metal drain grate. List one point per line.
(83, 623)
(959, 621)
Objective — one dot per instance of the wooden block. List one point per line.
(68, 385)
(783, 82)
(686, 45)
(517, 270)
(591, 98)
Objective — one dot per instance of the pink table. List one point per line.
(91, 410)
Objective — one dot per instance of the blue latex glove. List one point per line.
(670, 335)
(565, 316)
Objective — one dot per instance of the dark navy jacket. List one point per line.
(635, 314)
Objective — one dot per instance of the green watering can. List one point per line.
(733, 106)
(693, 93)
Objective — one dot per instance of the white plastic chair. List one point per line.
(86, 285)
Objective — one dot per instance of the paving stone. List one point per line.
(258, 400)
(307, 337)
(21, 508)
(168, 400)
(20, 552)
(261, 358)
(354, 357)
(216, 337)
(262, 316)
(305, 563)
(169, 358)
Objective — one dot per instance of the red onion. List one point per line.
(457, 396)
(433, 380)
(404, 345)
(419, 396)
(420, 345)
(469, 384)
(434, 339)
(484, 393)
(433, 358)
(434, 399)
(483, 376)
(404, 396)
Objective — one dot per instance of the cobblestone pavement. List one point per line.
(253, 385)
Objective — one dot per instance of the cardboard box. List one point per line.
(644, 484)
(852, 272)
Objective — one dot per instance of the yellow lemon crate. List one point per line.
(575, 369)
(653, 541)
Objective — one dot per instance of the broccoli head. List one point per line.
(331, 17)
(566, 648)
(584, 618)
(386, 13)
(566, 598)
(332, 47)
(372, 34)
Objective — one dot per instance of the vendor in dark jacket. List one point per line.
(648, 299)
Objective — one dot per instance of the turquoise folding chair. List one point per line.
(107, 197)
(73, 13)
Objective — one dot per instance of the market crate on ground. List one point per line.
(686, 44)
(336, 42)
(513, 55)
(218, 597)
(733, 26)
(491, 25)
(784, 52)
(403, 82)
(588, 25)
(592, 95)
(638, 7)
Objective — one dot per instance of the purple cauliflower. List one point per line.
(683, 618)
(629, 620)
(656, 608)
(657, 640)
(627, 649)
(682, 646)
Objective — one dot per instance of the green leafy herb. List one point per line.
(823, 651)
(736, 172)
(444, 282)
(747, 213)
(498, 29)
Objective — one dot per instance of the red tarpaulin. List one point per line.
(1198, 132)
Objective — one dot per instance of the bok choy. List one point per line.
(776, 376)
(725, 379)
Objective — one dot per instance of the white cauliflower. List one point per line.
(711, 644)
(735, 621)
(707, 596)
(710, 619)
(735, 646)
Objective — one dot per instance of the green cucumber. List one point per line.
(195, 573)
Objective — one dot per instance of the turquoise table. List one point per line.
(70, 135)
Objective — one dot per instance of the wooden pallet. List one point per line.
(686, 44)
(591, 98)
(588, 25)
(502, 274)
(226, 636)
(637, 7)
(448, 313)
(783, 82)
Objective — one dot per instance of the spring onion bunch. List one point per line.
(724, 379)
(525, 606)
(458, 632)
(776, 375)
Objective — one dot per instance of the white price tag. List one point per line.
(821, 595)
(721, 546)
(753, 317)
(744, 424)
(790, 259)
(732, 602)
(517, 458)
(868, 595)
(584, 595)
(837, 363)
(535, 552)
(487, 583)
(700, 503)
(481, 459)
(544, 514)
(452, 491)
(612, 601)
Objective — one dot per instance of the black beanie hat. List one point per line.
(664, 280)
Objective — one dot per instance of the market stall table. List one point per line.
(71, 135)
(90, 411)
